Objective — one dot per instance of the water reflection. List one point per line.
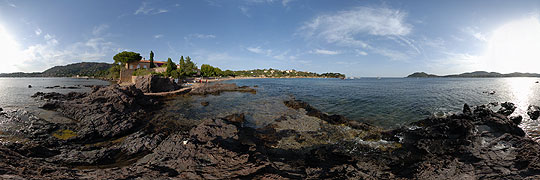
(521, 92)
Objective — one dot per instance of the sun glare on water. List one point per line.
(515, 47)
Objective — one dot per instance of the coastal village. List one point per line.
(131, 65)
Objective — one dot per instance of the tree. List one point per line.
(114, 71)
(218, 72)
(207, 70)
(152, 65)
(190, 67)
(170, 67)
(126, 57)
(228, 73)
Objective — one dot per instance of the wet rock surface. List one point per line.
(154, 84)
(116, 136)
(218, 88)
(533, 112)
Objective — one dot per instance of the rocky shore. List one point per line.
(115, 133)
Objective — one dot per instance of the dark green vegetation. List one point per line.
(152, 65)
(476, 74)
(81, 69)
(126, 57)
(282, 73)
(422, 74)
(186, 68)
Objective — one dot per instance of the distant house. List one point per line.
(143, 64)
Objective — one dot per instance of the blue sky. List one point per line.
(358, 38)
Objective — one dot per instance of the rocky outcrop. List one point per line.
(154, 84)
(217, 88)
(105, 112)
(507, 108)
(333, 119)
(116, 138)
(533, 112)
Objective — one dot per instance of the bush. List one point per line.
(141, 72)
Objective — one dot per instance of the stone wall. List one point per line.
(125, 76)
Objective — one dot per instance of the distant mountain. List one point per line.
(81, 69)
(476, 74)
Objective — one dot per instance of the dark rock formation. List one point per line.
(63, 87)
(507, 108)
(332, 119)
(205, 103)
(113, 142)
(153, 84)
(533, 112)
(105, 112)
(217, 88)
(467, 110)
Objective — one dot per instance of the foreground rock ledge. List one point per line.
(477, 144)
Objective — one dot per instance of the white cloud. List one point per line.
(284, 56)
(286, 2)
(392, 54)
(351, 28)
(144, 9)
(245, 11)
(161, 11)
(360, 52)
(51, 52)
(344, 26)
(39, 57)
(99, 29)
(12, 5)
(279, 55)
(474, 32)
(38, 31)
(202, 36)
(259, 50)
(325, 52)
(157, 36)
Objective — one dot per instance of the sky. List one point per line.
(360, 38)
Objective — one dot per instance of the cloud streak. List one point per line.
(144, 9)
(325, 52)
(358, 26)
(343, 27)
(99, 29)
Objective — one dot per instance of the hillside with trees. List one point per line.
(475, 74)
(81, 69)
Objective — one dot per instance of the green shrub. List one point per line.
(141, 72)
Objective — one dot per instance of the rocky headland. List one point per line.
(116, 133)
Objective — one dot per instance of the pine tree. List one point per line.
(152, 65)
(170, 67)
(182, 66)
(190, 66)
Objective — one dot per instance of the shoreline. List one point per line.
(123, 131)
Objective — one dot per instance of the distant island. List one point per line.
(475, 74)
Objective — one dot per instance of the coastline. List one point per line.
(119, 132)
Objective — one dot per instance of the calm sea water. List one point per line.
(386, 102)
(14, 92)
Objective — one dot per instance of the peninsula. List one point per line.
(475, 74)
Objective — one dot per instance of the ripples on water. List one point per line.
(14, 92)
(388, 102)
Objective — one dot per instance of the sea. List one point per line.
(16, 92)
(384, 102)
